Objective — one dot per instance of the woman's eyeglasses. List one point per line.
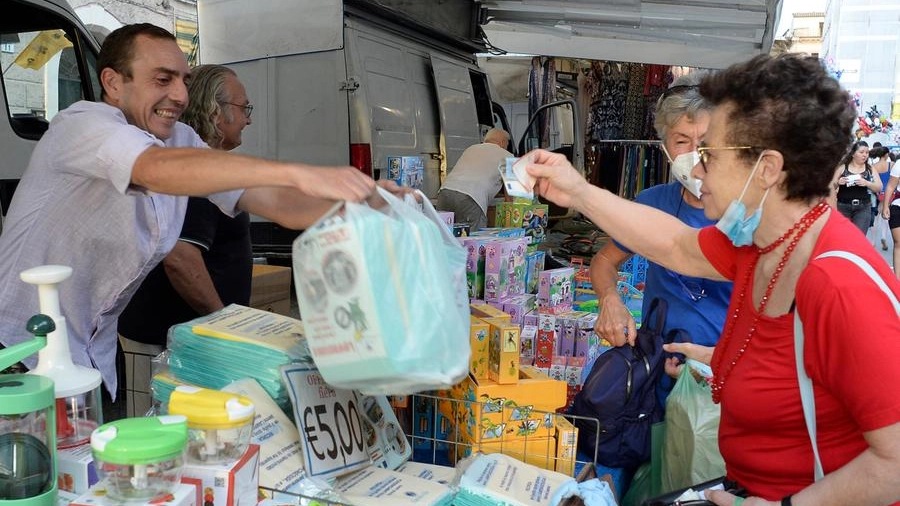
(248, 109)
(703, 151)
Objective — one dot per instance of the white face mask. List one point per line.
(681, 168)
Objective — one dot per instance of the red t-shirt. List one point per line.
(852, 352)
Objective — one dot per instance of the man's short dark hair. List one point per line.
(788, 103)
(117, 50)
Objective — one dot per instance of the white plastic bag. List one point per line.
(881, 233)
(382, 296)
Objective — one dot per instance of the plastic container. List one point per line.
(140, 458)
(219, 423)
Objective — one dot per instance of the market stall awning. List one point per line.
(697, 33)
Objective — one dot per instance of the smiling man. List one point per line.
(106, 190)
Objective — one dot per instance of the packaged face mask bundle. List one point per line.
(383, 298)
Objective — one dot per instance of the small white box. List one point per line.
(183, 495)
(233, 484)
(75, 469)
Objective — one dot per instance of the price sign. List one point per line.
(328, 421)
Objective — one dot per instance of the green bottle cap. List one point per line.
(140, 440)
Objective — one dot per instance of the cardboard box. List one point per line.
(537, 451)
(566, 446)
(485, 310)
(75, 469)
(503, 353)
(185, 494)
(270, 289)
(484, 410)
(479, 341)
(228, 485)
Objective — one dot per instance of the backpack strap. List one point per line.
(807, 395)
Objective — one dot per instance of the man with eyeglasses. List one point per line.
(211, 265)
(105, 192)
(695, 305)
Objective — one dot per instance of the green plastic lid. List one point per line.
(24, 393)
(140, 440)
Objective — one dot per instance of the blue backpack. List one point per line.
(620, 393)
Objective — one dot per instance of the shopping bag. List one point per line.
(881, 232)
(382, 295)
(691, 447)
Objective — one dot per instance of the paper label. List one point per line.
(334, 290)
(331, 433)
(280, 461)
(390, 487)
(385, 440)
(247, 324)
(504, 476)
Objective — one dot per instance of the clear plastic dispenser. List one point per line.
(139, 459)
(78, 410)
(219, 423)
(27, 431)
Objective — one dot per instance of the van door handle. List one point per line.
(434, 156)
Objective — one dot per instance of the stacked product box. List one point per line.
(431, 432)
(486, 411)
(504, 269)
(525, 215)
(518, 306)
(479, 341)
(475, 250)
(527, 344)
(503, 356)
(534, 264)
(555, 290)
(545, 344)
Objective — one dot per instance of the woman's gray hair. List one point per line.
(681, 99)
(207, 94)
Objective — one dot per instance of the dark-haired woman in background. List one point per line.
(853, 180)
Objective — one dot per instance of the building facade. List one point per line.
(861, 39)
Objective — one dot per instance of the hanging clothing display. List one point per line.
(541, 91)
(626, 167)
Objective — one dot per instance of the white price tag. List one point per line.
(331, 433)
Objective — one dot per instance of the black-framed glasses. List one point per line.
(703, 151)
(248, 109)
(693, 289)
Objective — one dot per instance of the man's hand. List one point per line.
(334, 183)
(557, 179)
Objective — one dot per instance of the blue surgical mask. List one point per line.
(735, 223)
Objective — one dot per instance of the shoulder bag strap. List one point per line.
(806, 388)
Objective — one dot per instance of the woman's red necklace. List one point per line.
(797, 231)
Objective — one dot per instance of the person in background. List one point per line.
(475, 180)
(765, 178)
(854, 181)
(695, 305)
(211, 264)
(105, 193)
(880, 160)
(890, 210)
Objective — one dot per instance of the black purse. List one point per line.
(669, 499)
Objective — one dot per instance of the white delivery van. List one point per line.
(349, 82)
(48, 61)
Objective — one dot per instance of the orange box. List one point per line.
(485, 310)
(503, 355)
(566, 446)
(485, 410)
(479, 341)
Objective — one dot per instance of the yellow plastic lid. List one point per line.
(210, 409)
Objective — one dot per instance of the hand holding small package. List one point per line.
(383, 298)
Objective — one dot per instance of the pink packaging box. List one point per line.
(556, 287)
(504, 269)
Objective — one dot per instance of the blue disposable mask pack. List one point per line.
(735, 223)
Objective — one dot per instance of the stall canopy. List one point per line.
(696, 33)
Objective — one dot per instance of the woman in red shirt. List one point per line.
(778, 130)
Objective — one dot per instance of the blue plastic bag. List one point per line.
(383, 299)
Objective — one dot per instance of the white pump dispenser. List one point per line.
(76, 387)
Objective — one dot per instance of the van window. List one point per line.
(46, 67)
